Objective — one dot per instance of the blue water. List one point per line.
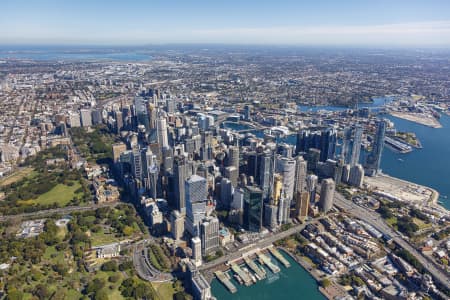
(73, 54)
(290, 283)
(429, 166)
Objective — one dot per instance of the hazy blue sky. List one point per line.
(297, 22)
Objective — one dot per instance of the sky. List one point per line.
(277, 22)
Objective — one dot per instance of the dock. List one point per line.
(268, 263)
(261, 273)
(246, 279)
(226, 281)
(280, 257)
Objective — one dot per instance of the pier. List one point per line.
(261, 273)
(222, 277)
(268, 263)
(246, 279)
(280, 257)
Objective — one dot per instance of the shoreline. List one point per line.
(417, 118)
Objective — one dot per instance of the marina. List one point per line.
(259, 272)
(266, 261)
(225, 280)
(279, 257)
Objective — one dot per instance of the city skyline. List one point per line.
(353, 23)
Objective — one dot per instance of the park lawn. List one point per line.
(391, 221)
(421, 224)
(164, 290)
(16, 176)
(61, 194)
(101, 238)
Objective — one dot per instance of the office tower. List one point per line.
(356, 148)
(196, 245)
(86, 117)
(356, 177)
(313, 157)
(301, 171)
(253, 208)
(152, 115)
(96, 116)
(151, 173)
(238, 199)
(286, 167)
(136, 163)
(285, 150)
(117, 149)
(306, 140)
(196, 195)
(328, 144)
(311, 185)
(284, 205)
(170, 105)
(233, 157)
(270, 216)
(266, 174)
(161, 128)
(346, 173)
(177, 224)
(338, 171)
(253, 165)
(226, 192)
(209, 235)
(302, 205)
(167, 160)
(346, 141)
(180, 174)
(326, 195)
(374, 158)
(277, 188)
(119, 121)
(74, 120)
(141, 113)
(248, 113)
(232, 174)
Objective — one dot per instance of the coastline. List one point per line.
(417, 118)
(305, 265)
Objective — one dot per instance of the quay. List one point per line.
(222, 277)
(261, 273)
(274, 268)
(280, 257)
(247, 280)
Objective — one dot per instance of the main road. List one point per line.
(62, 210)
(376, 221)
(262, 243)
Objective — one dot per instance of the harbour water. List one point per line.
(290, 283)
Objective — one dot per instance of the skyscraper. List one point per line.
(196, 245)
(326, 195)
(374, 158)
(286, 167)
(209, 235)
(86, 117)
(356, 176)
(161, 127)
(346, 140)
(253, 208)
(142, 118)
(356, 148)
(180, 174)
(196, 195)
(311, 185)
(328, 144)
(233, 157)
(302, 205)
(300, 174)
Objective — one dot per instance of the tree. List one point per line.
(101, 295)
(41, 292)
(325, 283)
(109, 266)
